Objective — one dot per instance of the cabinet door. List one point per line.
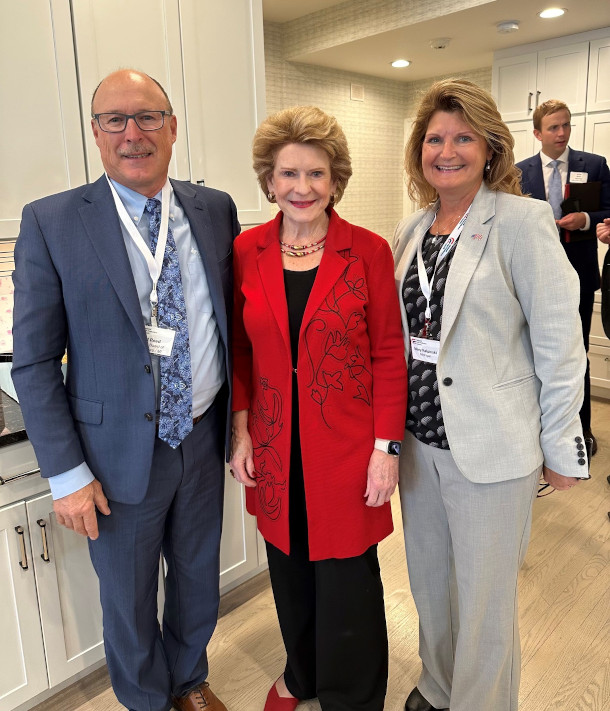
(22, 658)
(68, 594)
(514, 86)
(525, 142)
(41, 149)
(238, 546)
(562, 74)
(597, 140)
(142, 34)
(598, 95)
(222, 46)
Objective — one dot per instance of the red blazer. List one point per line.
(352, 383)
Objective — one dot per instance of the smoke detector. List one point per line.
(440, 42)
(508, 26)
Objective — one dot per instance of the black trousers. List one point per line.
(331, 615)
(332, 618)
(585, 309)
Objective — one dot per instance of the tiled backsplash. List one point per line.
(6, 295)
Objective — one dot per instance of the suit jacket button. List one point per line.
(581, 449)
(578, 439)
(447, 381)
(582, 461)
(147, 368)
(149, 416)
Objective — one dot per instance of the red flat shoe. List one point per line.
(275, 702)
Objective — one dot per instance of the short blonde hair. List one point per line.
(301, 124)
(546, 108)
(478, 109)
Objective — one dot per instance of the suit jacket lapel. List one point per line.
(576, 163)
(200, 223)
(103, 228)
(468, 252)
(536, 178)
(332, 266)
(406, 258)
(272, 276)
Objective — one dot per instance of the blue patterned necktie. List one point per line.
(555, 191)
(176, 408)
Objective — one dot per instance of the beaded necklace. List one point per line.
(296, 250)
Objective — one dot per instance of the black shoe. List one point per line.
(589, 435)
(416, 702)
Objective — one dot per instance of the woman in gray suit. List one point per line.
(496, 366)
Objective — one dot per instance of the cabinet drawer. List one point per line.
(598, 337)
(599, 357)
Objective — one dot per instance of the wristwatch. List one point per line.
(389, 446)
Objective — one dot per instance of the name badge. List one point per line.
(578, 177)
(160, 340)
(425, 349)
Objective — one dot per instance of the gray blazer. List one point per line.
(512, 361)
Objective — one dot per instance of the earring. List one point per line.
(488, 165)
(270, 197)
(331, 202)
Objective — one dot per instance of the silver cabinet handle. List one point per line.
(23, 475)
(43, 534)
(23, 563)
(537, 97)
(529, 101)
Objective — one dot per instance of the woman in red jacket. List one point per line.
(319, 408)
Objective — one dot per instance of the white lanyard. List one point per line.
(426, 286)
(155, 263)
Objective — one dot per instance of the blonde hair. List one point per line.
(301, 124)
(479, 111)
(548, 107)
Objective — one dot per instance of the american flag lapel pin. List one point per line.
(477, 236)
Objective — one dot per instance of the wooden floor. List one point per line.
(565, 615)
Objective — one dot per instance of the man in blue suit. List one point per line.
(138, 429)
(545, 177)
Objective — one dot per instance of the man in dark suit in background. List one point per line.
(545, 177)
(137, 431)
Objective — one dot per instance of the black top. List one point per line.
(424, 414)
(298, 286)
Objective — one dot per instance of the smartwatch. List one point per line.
(389, 446)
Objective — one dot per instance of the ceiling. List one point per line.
(473, 34)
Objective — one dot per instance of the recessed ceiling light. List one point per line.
(398, 63)
(551, 12)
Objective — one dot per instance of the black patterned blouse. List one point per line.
(424, 414)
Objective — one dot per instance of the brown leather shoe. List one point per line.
(201, 698)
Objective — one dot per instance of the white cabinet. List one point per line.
(147, 38)
(22, 657)
(208, 56)
(41, 147)
(522, 81)
(599, 354)
(68, 594)
(239, 556)
(51, 622)
(598, 92)
(224, 83)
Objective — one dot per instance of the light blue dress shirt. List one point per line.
(207, 353)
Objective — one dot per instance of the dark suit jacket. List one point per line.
(74, 289)
(582, 254)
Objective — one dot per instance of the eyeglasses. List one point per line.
(145, 120)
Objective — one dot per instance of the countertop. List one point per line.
(12, 427)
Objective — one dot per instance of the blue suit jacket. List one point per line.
(582, 254)
(74, 290)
